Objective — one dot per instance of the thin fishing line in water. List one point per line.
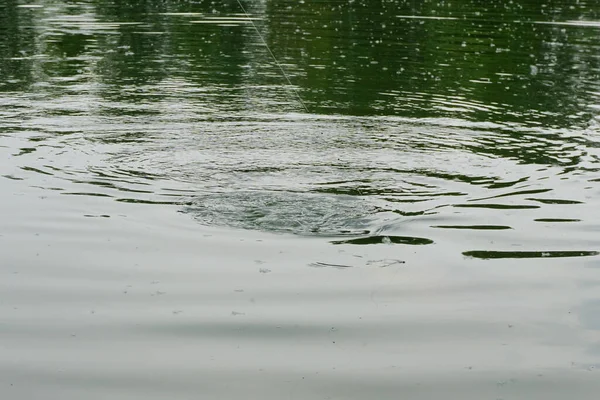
(273, 56)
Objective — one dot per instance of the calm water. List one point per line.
(389, 198)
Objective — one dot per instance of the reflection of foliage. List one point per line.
(164, 45)
(372, 60)
(16, 42)
(485, 60)
(131, 55)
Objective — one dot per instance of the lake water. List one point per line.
(299, 199)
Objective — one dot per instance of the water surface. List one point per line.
(308, 200)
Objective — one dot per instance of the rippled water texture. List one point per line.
(349, 199)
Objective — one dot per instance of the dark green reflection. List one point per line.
(479, 59)
(527, 254)
(499, 206)
(482, 61)
(379, 239)
(556, 220)
(556, 201)
(474, 227)
(17, 44)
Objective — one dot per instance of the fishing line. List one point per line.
(273, 56)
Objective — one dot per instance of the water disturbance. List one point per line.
(299, 199)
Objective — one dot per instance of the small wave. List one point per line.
(486, 255)
(380, 239)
